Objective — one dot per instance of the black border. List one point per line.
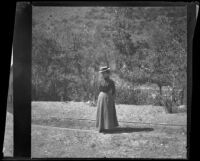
(191, 21)
(8, 25)
(22, 67)
(22, 80)
(107, 3)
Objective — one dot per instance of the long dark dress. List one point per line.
(106, 117)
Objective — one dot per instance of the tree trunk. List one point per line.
(106, 59)
(160, 89)
(53, 91)
(182, 95)
(94, 88)
(173, 91)
(160, 95)
(185, 96)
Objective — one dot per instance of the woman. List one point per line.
(106, 118)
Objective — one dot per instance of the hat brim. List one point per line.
(101, 71)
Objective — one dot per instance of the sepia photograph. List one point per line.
(107, 82)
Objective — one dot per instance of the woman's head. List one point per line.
(105, 72)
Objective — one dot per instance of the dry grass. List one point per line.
(147, 113)
(58, 142)
(160, 142)
(51, 136)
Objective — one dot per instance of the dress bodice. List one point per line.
(106, 85)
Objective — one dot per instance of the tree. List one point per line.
(142, 44)
(161, 52)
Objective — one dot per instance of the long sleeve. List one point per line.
(113, 88)
(112, 84)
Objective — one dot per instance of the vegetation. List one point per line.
(142, 45)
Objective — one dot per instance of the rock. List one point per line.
(182, 107)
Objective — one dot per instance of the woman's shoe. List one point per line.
(101, 131)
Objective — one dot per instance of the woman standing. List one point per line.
(106, 118)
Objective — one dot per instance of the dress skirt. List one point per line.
(106, 117)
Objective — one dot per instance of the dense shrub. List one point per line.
(168, 105)
(159, 101)
(125, 96)
(131, 96)
(164, 101)
(142, 98)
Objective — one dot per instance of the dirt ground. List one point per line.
(57, 133)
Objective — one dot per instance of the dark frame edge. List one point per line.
(191, 23)
(189, 39)
(7, 68)
(108, 3)
(22, 80)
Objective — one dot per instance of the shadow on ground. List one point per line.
(127, 130)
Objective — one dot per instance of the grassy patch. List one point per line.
(50, 138)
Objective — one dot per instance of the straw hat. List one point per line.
(104, 69)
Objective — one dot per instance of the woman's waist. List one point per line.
(106, 93)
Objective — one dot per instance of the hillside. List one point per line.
(142, 45)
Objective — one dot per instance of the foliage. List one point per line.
(125, 96)
(140, 44)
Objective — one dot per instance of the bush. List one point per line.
(142, 98)
(125, 96)
(164, 101)
(159, 101)
(131, 96)
(168, 105)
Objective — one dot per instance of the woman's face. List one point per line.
(105, 74)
